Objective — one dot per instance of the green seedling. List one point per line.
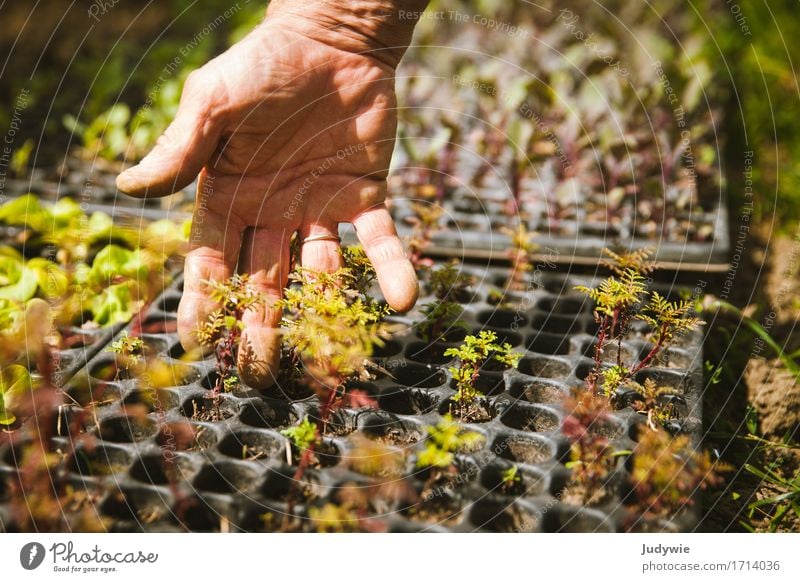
(472, 355)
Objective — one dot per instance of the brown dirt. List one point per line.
(758, 379)
(775, 394)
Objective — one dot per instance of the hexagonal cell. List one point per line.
(65, 421)
(453, 334)
(444, 509)
(177, 352)
(490, 383)
(390, 430)
(222, 477)
(610, 352)
(290, 390)
(127, 429)
(583, 369)
(504, 517)
(513, 480)
(280, 481)
(260, 517)
(548, 344)
(417, 375)
(326, 454)
(558, 285)
(539, 392)
(528, 449)
(251, 445)
(108, 370)
(162, 469)
(669, 358)
(388, 349)
(340, 422)
(156, 324)
(207, 408)
(170, 303)
(428, 353)
(409, 401)
(152, 400)
(198, 514)
(503, 318)
(565, 305)
(560, 324)
(544, 367)
(184, 435)
(100, 461)
(478, 411)
(572, 520)
(268, 414)
(75, 338)
(178, 374)
(137, 504)
(530, 417)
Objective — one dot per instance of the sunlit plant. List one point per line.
(472, 356)
(223, 329)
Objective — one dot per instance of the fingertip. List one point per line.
(191, 315)
(259, 357)
(128, 182)
(399, 285)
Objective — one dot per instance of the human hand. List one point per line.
(290, 130)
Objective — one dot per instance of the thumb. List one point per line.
(181, 151)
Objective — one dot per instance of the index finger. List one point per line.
(396, 276)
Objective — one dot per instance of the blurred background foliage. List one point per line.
(108, 79)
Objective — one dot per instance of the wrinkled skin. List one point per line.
(287, 134)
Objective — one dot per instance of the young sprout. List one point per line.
(303, 436)
(129, 350)
(667, 472)
(509, 478)
(445, 440)
(332, 325)
(473, 354)
(448, 285)
(223, 329)
(591, 455)
(330, 329)
(622, 298)
(651, 405)
(425, 222)
(519, 253)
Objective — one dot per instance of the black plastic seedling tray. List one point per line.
(213, 487)
(471, 229)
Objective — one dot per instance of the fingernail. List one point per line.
(126, 181)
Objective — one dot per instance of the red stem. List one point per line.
(652, 354)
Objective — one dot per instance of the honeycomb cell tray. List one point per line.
(238, 470)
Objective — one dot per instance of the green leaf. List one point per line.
(51, 279)
(15, 381)
(22, 284)
(65, 211)
(303, 435)
(100, 226)
(115, 304)
(114, 261)
(26, 210)
(751, 419)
